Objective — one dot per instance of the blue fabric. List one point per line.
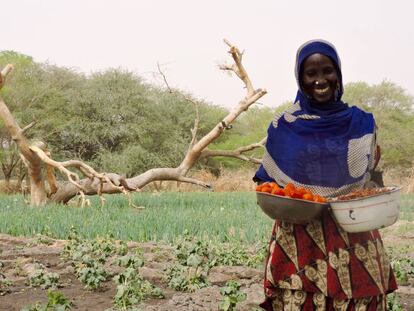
(315, 151)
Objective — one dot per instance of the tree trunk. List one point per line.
(7, 176)
(7, 184)
(37, 187)
(21, 175)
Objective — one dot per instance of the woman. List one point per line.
(322, 144)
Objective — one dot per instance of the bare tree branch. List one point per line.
(195, 128)
(29, 126)
(164, 78)
(194, 153)
(73, 177)
(237, 153)
(194, 181)
(36, 157)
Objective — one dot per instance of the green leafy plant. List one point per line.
(88, 258)
(4, 285)
(90, 272)
(74, 241)
(196, 257)
(43, 279)
(100, 248)
(130, 261)
(131, 289)
(56, 302)
(103, 247)
(393, 303)
(211, 254)
(231, 296)
(260, 253)
(122, 248)
(193, 264)
(40, 239)
(229, 255)
(185, 279)
(403, 269)
(189, 248)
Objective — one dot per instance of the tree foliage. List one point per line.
(117, 122)
(111, 119)
(393, 111)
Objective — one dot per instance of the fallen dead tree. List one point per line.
(41, 167)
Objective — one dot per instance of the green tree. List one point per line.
(34, 92)
(393, 111)
(119, 123)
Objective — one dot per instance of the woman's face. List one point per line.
(319, 78)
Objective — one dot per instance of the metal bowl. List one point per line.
(368, 213)
(294, 211)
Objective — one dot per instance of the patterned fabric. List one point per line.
(313, 266)
(318, 152)
(326, 147)
(294, 300)
(283, 179)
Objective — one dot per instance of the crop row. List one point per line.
(151, 217)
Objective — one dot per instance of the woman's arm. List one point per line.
(377, 156)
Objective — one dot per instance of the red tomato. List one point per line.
(308, 196)
(267, 189)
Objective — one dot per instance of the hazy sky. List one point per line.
(375, 39)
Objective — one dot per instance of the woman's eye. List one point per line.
(329, 70)
(310, 73)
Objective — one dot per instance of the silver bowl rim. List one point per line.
(392, 190)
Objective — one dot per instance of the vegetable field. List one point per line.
(147, 217)
(168, 251)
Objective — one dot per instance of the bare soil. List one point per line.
(18, 256)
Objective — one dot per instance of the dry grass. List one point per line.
(9, 188)
(395, 178)
(228, 181)
(410, 182)
(232, 181)
(241, 180)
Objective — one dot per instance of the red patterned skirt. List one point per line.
(319, 266)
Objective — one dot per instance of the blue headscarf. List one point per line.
(326, 147)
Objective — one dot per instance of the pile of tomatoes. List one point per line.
(290, 191)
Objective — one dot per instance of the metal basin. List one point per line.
(368, 213)
(294, 211)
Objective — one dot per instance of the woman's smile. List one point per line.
(322, 91)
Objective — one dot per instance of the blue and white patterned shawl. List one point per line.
(327, 148)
